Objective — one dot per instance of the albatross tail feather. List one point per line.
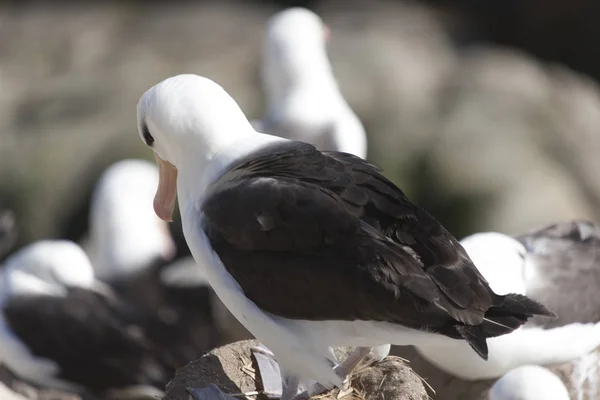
(508, 313)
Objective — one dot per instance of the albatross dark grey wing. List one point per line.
(325, 236)
(566, 260)
(94, 343)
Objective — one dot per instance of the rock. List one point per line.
(232, 369)
(504, 134)
(228, 367)
(392, 378)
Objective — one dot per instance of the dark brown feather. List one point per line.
(342, 242)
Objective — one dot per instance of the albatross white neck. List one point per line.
(202, 164)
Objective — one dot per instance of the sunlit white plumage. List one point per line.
(529, 382)
(502, 261)
(125, 235)
(304, 101)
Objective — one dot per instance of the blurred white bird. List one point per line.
(529, 382)
(125, 235)
(62, 328)
(304, 101)
(511, 267)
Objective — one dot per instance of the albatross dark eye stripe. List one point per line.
(147, 136)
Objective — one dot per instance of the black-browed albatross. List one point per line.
(61, 328)
(311, 249)
(304, 101)
(510, 267)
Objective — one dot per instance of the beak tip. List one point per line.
(163, 213)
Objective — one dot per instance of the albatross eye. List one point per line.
(147, 136)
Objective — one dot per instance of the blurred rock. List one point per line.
(484, 139)
(505, 129)
(71, 77)
(232, 369)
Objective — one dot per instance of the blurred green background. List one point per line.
(485, 113)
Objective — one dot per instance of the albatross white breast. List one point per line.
(311, 249)
(304, 101)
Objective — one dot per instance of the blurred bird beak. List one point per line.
(164, 200)
(326, 33)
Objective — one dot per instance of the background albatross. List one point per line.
(304, 101)
(311, 249)
(61, 328)
(511, 268)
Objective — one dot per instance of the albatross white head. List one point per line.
(500, 259)
(529, 382)
(189, 121)
(304, 101)
(294, 52)
(48, 267)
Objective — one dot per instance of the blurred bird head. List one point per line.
(294, 51)
(47, 267)
(500, 259)
(126, 236)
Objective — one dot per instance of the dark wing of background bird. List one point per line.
(179, 319)
(95, 342)
(289, 217)
(566, 258)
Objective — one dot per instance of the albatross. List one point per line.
(304, 101)
(311, 249)
(550, 268)
(61, 328)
